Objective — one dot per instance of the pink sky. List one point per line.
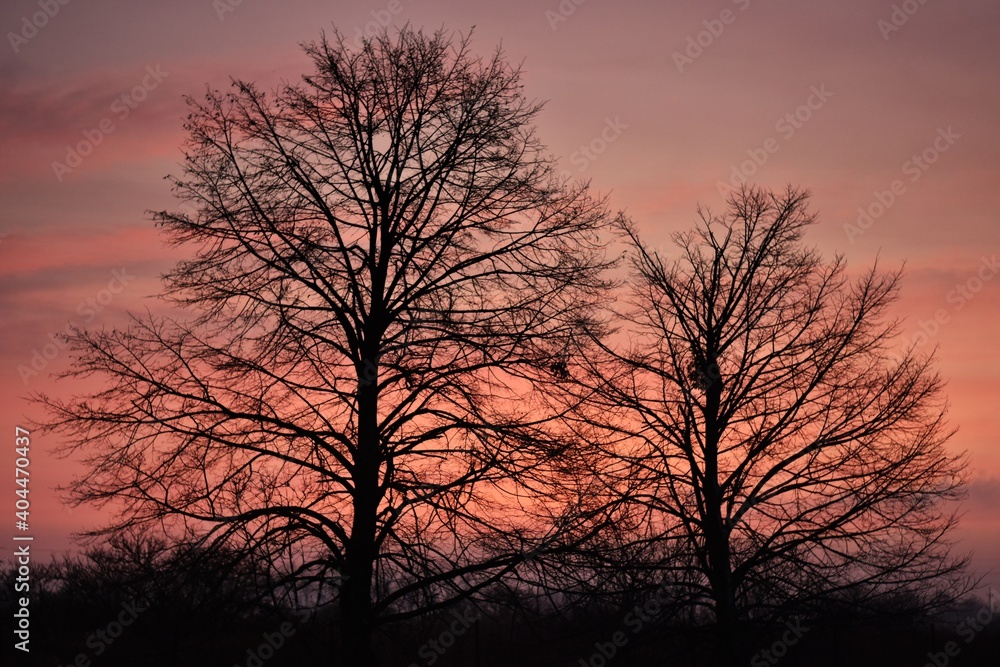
(663, 131)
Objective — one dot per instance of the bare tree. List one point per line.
(761, 416)
(383, 260)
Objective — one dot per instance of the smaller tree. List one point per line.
(759, 420)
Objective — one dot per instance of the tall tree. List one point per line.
(383, 258)
(763, 418)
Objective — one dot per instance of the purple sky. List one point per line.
(655, 103)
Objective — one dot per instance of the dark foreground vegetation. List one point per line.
(138, 603)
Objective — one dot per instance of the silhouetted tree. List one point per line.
(383, 259)
(762, 417)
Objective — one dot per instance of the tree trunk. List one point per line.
(714, 521)
(357, 619)
(721, 581)
(355, 630)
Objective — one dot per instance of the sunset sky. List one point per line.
(886, 112)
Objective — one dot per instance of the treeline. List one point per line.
(142, 602)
